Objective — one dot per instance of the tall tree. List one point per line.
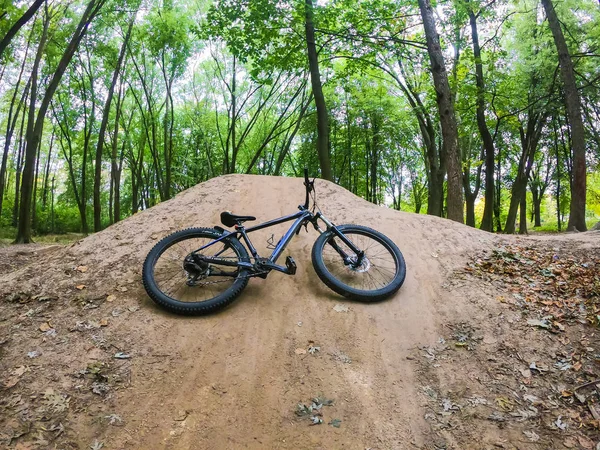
(454, 198)
(317, 88)
(34, 133)
(104, 124)
(573, 106)
(486, 136)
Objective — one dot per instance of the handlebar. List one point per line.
(309, 187)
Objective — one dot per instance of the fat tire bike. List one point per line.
(200, 270)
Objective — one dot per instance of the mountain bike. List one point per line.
(200, 270)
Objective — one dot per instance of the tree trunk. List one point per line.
(454, 198)
(523, 214)
(11, 124)
(558, 177)
(529, 143)
(102, 132)
(486, 137)
(31, 148)
(317, 88)
(537, 206)
(434, 158)
(35, 135)
(19, 168)
(573, 106)
(115, 169)
(34, 224)
(47, 173)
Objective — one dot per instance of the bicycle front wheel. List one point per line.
(180, 284)
(379, 275)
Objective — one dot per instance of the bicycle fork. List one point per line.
(360, 254)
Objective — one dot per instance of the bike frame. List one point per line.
(262, 265)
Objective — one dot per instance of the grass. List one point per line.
(552, 227)
(7, 237)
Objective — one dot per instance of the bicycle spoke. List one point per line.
(173, 280)
(377, 270)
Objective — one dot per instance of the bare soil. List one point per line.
(88, 361)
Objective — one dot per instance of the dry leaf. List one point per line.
(82, 269)
(585, 442)
(16, 375)
(46, 326)
(111, 298)
(103, 322)
(505, 403)
(80, 287)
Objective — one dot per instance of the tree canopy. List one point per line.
(487, 109)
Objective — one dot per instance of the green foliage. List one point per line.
(214, 87)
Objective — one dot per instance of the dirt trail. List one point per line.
(233, 379)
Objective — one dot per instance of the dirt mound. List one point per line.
(88, 359)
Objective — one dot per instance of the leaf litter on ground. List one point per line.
(314, 411)
(557, 291)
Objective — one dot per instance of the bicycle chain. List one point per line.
(237, 278)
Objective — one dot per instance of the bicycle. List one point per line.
(200, 270)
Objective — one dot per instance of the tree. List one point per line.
(104, 124)
(34, 132)
(573, 106)
(454, 198)
(315, 79)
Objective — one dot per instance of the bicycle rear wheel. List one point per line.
(175, 282)
(382, 270)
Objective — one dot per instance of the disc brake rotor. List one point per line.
(364, 266)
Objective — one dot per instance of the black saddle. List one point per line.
(230, 220)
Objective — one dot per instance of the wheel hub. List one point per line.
(195, 269)
(364, 265)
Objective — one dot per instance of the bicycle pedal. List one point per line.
(291, 265)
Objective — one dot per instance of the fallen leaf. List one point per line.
(504, 403)
(335, 423)
(56, 401)
(97, 445)
(111, 298)
(114, 419)
(16, 375)
(560, 424)
(316, 420)
(539, 323)
(585, 442)
(181, 416)
(532, 435)
(82, 269)
(80, 287)
(46, 326)
(103, 322)
(312, 349)
(340, 308)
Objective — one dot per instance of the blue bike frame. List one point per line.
(301, 218)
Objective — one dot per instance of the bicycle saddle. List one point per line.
(230, 220)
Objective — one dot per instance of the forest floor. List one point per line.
(492, 342)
